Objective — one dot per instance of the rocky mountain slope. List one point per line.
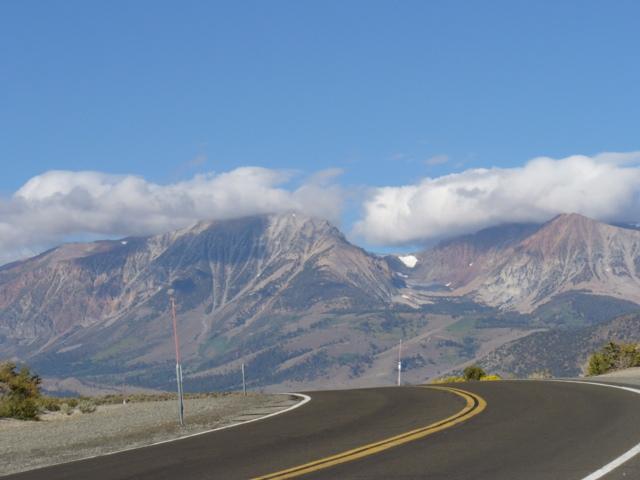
(291, 298)
(110, 298)
(561, 352)
(521, 267)
(263, 261)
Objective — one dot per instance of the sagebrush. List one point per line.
(19, 392)
(614, 356)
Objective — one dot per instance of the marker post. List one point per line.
(178, 364)
(244, 385)
(400, 363)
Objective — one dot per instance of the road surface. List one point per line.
(499, 430)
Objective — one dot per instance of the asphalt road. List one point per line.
(528, 430)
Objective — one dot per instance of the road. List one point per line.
(503, 430)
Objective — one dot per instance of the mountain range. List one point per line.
(291, 298)
(523, 266)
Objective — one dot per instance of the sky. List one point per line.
(402, 122)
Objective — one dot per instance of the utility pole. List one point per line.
(400, 363)
(244, 385)
(178, 364)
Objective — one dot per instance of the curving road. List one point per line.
(525, 430)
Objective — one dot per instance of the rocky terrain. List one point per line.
(291, 298)
(521, 267)
(235, 270)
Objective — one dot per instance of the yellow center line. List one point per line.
(474, 405)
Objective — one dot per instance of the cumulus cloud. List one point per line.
(605, 187)
(62, 205)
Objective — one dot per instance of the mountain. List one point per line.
(235, 270)
(288, 296)
(563, 353)
(521, 267)
(104, 306)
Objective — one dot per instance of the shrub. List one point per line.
(455, 379)
(614, 356)
(66, 408)
(50, 404)
(540, 375)
(473, 372)
(19, 392)
(87, 406)
(598, 365)
(447, 380)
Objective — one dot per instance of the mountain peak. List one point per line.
(573, 219)
(565, 231)
(291, 218)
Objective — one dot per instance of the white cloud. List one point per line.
(62, 205)
(605, 186)
(59, 206)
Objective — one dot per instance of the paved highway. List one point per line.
(498, 430)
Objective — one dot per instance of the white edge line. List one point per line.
(628, 455)
(305, 399)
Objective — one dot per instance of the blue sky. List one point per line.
(165, 90)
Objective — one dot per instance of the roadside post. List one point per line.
(178, 364)
(244, 385)
(400, 363)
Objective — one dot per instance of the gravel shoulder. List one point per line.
(60, 438)
(629, 376)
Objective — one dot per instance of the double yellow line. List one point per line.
(474, 405)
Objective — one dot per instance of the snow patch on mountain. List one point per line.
(408, 260)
